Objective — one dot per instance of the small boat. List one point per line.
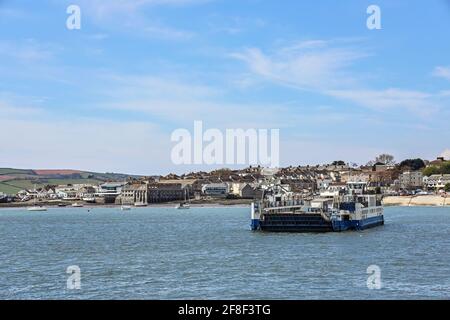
(37, 208)
(3, 198)
(187, 202)
(77, 205)
(140, 204)
(184, 205)
(62, 205)
(89, 199)
(125, 208)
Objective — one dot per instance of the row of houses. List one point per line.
(415, 180)
(243, 183)
(107, 192)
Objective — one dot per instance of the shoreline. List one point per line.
(242, 203)
(389, 201)
(417, 201)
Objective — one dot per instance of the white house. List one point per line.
(437, 181)
(216, 189)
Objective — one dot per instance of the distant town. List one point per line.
(385, 176)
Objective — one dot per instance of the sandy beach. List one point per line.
(425, 200)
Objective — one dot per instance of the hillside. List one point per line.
(14, 180)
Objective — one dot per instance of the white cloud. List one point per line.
(442, 72)
(12, 106)
(308, 65)
(29, 50)
(446, 154)
(168, 33)
(325, 67)
(127, 16)
(118, 146)
(419, 102)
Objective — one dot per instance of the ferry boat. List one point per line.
(350, 208)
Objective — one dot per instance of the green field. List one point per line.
(26, 179)
(14, 186)
(8, 189)
(7, 171)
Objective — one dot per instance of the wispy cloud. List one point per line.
(308, 65)
(161, 32)
(29, 50)
(442, 72)
(127, 16)
(446, 154)
(326, 68)
(419, 102)
(61, 144)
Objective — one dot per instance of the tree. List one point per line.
(385, 159)
(338, 163)
(412, 164)
(447, 187)
(442, 169)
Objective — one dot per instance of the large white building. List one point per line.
(411, 179)
(216, 189)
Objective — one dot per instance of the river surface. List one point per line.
(210, 253)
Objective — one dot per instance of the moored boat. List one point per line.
(187, 202)
(3, 198)
(37, 208)
(140, 204)
(183, 205)
(77, 205)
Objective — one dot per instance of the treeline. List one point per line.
(444, 168)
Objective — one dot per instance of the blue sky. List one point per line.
(108, 96)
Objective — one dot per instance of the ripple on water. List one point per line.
(160, 253)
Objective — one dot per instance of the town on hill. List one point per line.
(383, 176)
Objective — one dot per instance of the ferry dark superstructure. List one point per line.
(349, 209)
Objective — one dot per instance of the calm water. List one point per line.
(163, 253)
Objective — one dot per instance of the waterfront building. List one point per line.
(110, 188)
(437, 181)
(109, 191)
(248, 192)
(220, 190)
(411, 180)
(165, 192)
(134, 193)
(66, 192)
